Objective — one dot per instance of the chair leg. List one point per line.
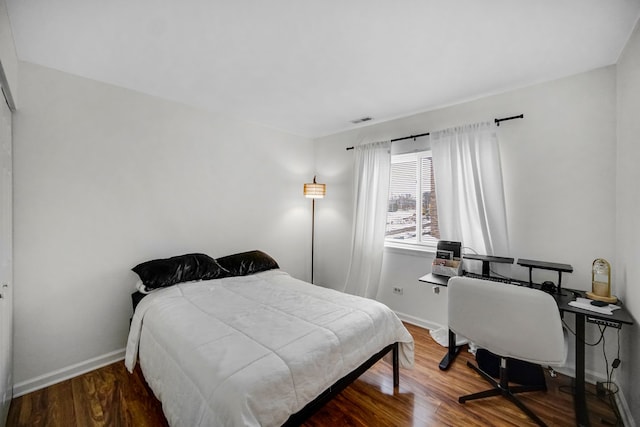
(495, 391)
(503, 388)
(525, 409)
(488, 378)
(480, 395)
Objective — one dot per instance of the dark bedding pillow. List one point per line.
(159, 273)
(246, 263)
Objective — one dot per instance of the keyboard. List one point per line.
(494, 279)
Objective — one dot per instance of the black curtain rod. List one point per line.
(497, 121)
(401, 139)
(410, 137)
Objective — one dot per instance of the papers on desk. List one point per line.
(585, 304)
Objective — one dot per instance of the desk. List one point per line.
(619, 317)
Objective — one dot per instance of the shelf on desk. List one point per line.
(489, 258)
(544, 265)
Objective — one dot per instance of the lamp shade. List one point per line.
(315, 190)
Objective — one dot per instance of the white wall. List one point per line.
(106, 178)
(628, 208)
(559, 176)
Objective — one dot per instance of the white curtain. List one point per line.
(371, 189)
(469, 189)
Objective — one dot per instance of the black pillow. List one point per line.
(160, 273)
(246, 263)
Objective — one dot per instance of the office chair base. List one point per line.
(503, 388)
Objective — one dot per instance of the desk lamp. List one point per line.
(601, 281)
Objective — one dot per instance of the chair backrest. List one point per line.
(508, 320)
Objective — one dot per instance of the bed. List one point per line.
(255, 346)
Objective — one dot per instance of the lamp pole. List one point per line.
(313, 231)
(314, 191)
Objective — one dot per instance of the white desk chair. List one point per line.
(510, 321)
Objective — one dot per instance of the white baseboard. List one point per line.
(63, 374)
(417, 321)
(625, 412)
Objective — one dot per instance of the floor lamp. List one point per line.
(314, 191)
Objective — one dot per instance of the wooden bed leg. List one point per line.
(396, 365)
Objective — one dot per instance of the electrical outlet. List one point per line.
(398, 291)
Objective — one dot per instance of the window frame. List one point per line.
(419, 244)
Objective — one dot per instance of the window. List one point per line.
(412, 215)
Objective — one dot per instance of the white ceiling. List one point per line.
(309, 67)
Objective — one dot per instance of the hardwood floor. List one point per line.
(110, 396)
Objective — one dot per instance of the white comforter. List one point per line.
(251, 351)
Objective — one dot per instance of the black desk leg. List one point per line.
(580, 398)
(452, 352)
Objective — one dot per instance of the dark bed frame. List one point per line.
(300, 417)
(312, 407)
